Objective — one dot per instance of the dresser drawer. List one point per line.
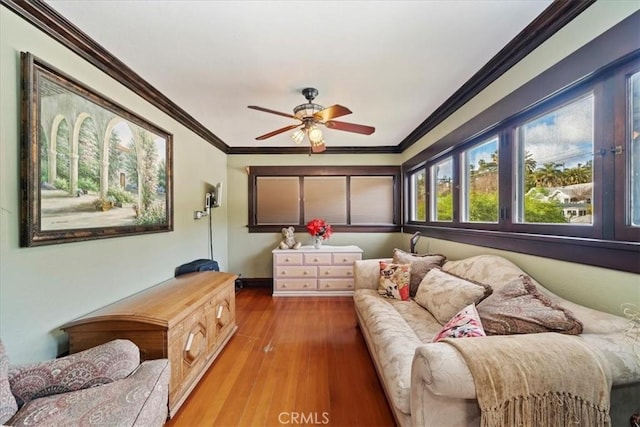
(330, 271)
(295, 284)
(317, 259)
(346, 258)
(299, 271)
(335, 284)
(288, 259)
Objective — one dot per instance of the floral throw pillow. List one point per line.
(519, 308)
(466, 323)
(394, 280)
(444, 294)
(420, 266)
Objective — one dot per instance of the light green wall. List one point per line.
(42, 288)
(250, 253)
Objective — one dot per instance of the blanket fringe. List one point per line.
(549, 409)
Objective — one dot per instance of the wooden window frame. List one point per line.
(315, 171)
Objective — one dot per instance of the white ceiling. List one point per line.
(393, 63)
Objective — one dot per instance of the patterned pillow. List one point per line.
(519, 308)
(445, 294)
(420, 266)
(8, 405)
(394, 280)
(466, 323)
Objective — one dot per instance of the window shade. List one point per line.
(371, 200)
(325, 197)
(278, 200)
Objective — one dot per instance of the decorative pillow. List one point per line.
(466, 323)
(420, 266)
(394, 280)
(519, 308)
(445, 294)
(8, 405)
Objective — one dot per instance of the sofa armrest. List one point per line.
(366, 273)
(98, 365)
(441, 379)
(138, 400)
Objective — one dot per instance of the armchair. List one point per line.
(105, 385)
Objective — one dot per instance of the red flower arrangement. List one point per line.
(319, 228)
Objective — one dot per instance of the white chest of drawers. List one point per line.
(327, 271)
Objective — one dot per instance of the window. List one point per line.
(560, 178)
(441, 190)
(480, 182)
(356, 198)
(555, 166)
(325, 197)
(279, 199)
(634, 150)
(418, 207)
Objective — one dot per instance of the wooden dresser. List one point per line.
(327, 271)
(187, 319)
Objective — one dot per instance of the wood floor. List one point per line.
(293, 361)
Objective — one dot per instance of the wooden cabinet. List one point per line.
(188, 320)
(309, 271)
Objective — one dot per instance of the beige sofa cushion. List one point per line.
(445, 294)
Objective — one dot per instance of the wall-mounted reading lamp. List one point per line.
(212, 199)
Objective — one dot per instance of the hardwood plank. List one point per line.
(293, 361)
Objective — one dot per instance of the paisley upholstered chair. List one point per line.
(105, 385)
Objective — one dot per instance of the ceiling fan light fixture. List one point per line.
(297, 136)
(315, 134)
(307, 110)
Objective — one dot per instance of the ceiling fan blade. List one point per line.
(276, 132)
(331, 113)
(350, 127)
(317, 147)
(266, 110)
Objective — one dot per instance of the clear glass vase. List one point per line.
(317, 242)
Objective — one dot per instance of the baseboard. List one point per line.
(257, 282)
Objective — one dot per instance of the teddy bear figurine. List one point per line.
(289, 241)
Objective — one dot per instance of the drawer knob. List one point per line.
(287, 260)
(284, 285)
(344, 260)
(315, 260)
(305, 273)
(349, 273)
(327, 273)
(305, 286)
(284, 272)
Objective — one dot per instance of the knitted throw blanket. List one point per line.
(537, 380)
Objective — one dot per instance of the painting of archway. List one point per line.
(90, 167)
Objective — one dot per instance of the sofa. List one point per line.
(430, 383)
(105, 385)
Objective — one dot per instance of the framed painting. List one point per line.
(90, 168)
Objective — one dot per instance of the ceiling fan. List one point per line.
(311, 115)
